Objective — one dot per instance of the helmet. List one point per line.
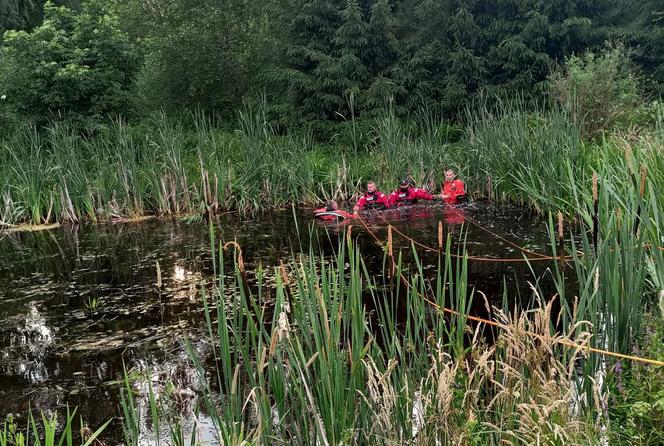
(403, 182)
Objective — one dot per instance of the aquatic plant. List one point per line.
(45, 431)
(93, 304)
(513, 151)
(334, 355)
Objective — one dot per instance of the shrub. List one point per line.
(76, 64)
(599, 90)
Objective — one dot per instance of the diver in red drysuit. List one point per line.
(454, 190)
(372, 199)
(331, 212)
(406, 194)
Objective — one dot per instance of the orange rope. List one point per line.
(509, 242)
(541, 257)
(563, 342)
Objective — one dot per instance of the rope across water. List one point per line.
(564, 342)
(539, 257)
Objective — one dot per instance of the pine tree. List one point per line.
(640, 24)
(528, 37)
(307, 69)
(444, 63)
(17, 14)
(381, 55)
(351, 39)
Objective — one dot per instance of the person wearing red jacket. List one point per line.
(332, 212)
(372, 199)
(454, 190)
(406, 194)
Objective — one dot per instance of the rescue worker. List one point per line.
(331, 211)
(454, 190)
(406, 194)
(372, 199)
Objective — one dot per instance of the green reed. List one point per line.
(48, 431)
(512, 152)
(298, 358)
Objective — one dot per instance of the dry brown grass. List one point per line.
(516, 392)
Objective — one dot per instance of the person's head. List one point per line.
(404, 184)
(331, 205)
(449, 174)
(371, 187)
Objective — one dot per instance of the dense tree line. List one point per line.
(313, 59)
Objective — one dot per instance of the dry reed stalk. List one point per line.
(560, 226)
(644, 173)
(440, 234)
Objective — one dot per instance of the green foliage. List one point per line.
(77, 64)
(197, 54)
(308, 73)
(45, 431)
(637, 414)
(599, 90)
(311, 58)
(640, 24)
(16, 14)
(441, 54)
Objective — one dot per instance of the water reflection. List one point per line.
(174, 385)
(185, 283)
(26, 340)
(179, 273)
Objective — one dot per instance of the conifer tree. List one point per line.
(307, 69)
(351, 39)
(16, 14)
(641, 25)
(381, 55)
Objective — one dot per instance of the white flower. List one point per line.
(3, 97)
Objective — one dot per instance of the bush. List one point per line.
(600, 91)
(75, 64)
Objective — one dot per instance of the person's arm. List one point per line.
(421, 194)
(384, 200)
(360, 204)
(393, 198)
(460, 189)
(443, 194)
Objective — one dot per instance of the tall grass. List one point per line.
(48, 430)
(511, 152)
(333, 355)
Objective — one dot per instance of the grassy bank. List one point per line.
(175, 167)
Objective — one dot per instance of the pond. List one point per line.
(78, 304)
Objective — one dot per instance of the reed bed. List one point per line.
(517, 153)
(336, 356)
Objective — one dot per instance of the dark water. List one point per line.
(56, 349)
